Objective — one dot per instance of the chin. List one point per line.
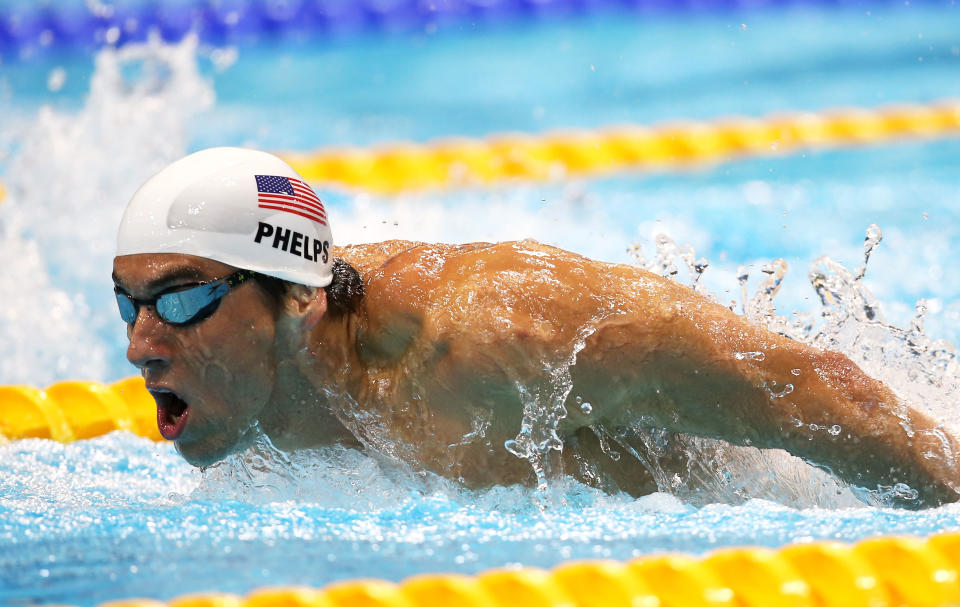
(208, 451)
(202, 456)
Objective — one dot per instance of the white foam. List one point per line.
(46, 331)
(68, 181)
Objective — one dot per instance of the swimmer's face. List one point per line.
(213, 378)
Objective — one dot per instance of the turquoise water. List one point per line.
(113, 517)
(119, 516)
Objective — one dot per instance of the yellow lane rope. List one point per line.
(879, 572)
(74, 410)
(505, 158)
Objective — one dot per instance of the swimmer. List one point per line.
(244, 318)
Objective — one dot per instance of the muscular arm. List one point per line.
(695, 367)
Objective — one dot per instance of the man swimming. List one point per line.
(465, 360)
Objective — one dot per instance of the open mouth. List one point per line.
(172, 413)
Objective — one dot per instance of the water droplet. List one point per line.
(873, 238)
(606, 448)
(552, 442)
(56, 79)
(512, 447)
(786, 390)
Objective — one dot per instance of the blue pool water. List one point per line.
(120, 516)
(111, 517)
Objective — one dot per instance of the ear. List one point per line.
(306, 305)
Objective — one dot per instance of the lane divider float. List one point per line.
(516, 157)
(505, 158)
(75, 410)
(877, 572)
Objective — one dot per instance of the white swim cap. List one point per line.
(245, 208)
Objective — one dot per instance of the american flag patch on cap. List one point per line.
(289, 195)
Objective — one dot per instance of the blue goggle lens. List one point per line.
(185, 306)
(181, 307)
(128, 311)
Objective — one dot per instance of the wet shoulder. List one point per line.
(489, 291)
(434, 272)
(367, 257)
(416, 273)
(492, 291)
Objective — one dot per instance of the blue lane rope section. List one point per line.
(90, 24)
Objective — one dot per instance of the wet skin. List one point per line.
(433, 367)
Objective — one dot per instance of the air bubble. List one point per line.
(587, 408)
(749, 355)
(834, 430)
(795, 371)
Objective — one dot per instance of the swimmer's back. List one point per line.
(519, 289)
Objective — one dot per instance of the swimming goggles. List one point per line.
(183, 307)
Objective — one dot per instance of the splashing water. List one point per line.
(336, 476)
(665, 262)
(57, 225)
(544, 406)
(923, 372)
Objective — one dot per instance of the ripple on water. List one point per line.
(120, 516)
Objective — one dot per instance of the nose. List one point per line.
(149, 348)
